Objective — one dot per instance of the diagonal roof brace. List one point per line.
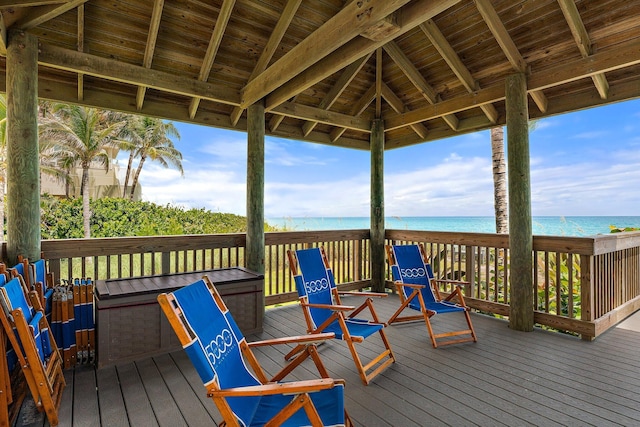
(354, 19)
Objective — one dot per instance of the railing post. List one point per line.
(166, 263)
(470, 264)
(586, 291)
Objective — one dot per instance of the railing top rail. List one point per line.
(69, 248)
(281, 237)
(593, 245)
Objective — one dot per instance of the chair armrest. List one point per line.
(330, 307)
(453, 282)
(411, 285)
(277, 388)
(300, 339)
(364, 294)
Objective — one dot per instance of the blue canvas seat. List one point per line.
(414, 279)
(28, 331)
(232, 375)
(42, 281)
(324, 312)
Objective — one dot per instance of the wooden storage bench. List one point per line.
(130, 324)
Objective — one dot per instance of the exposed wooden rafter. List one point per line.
(270, 48)
(27, 3)
(450, 56)
(212, 49)
(37, 15)
(509, 48)
(414, 75)
(357, 109)
(336, 89)
(80, 49)
(411, 16)
(580, 35)
(150, 47)
(3, 35)
(378, 83)
(623, 56)
(399, 107)
(344, 26)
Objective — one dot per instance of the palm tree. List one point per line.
(500, 177)
(499, 180)
(3, 159)
(154, 143)
(84, 135)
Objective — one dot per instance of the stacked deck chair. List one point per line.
(324, 311)
(43, 283)
(232, 375)
(418, 289)
(26, 326)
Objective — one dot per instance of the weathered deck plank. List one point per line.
(506, 378)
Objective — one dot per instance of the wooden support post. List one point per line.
(377, 206)
(23, 168)
(587, 289)
(520, 223)
(255, 187)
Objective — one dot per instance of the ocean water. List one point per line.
(542, 225)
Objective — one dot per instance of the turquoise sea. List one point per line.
(542, 225)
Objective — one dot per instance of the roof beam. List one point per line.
(399, 107)
(152, 37)
(27, 3)
(411, 16)
(270, 48)
(414, 75)
(580, 35)
(439, 41)
(356, 110)
(43, 14)
(80, 49)
(212, 49)
(305, 112)
(3, 35)
(353, 19)
(625, 55)
(336, 89)
(500, 33)
(69, 60)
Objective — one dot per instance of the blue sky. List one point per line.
(584, 163)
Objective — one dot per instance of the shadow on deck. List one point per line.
(507, 378)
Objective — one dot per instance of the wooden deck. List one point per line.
(507, 378)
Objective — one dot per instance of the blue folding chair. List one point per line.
(418, 290)
(31, 338)
(42, 281)
(324, 312)
(222, 358)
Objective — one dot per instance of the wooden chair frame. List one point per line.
(46, 383)
(340, 314)
(301, 389)
(416, 293)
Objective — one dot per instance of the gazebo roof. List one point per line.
(429, 68)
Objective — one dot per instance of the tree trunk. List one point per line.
(136, 176)
(86, 212)
(2, 181)
(126, 178)
(499, 180)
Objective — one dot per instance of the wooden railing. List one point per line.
(582, 285)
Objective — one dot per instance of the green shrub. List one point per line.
(115, 217)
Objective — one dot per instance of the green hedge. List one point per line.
(114, 217)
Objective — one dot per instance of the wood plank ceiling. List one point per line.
(325, 68)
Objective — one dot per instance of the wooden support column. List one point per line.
(520, 224)
(377, 206)
(255, 187)
(23, 168)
